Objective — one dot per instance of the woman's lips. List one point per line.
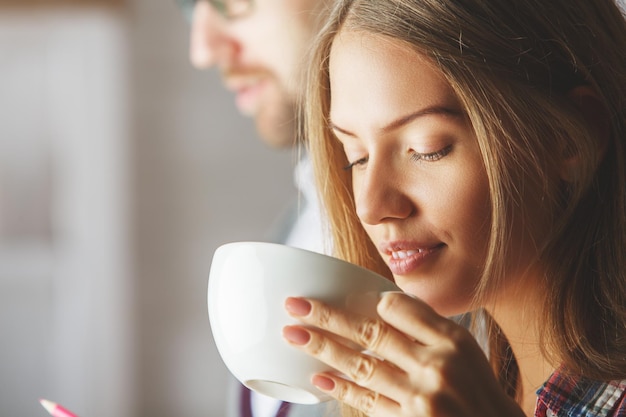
(402, 261)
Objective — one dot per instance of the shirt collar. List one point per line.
(565, 395)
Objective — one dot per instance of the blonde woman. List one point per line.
(474, 152)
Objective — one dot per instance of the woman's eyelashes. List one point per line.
(431, 156)
(360, 161)
(415, 156)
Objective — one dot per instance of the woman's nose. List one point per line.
(210, 42)
(380, 195)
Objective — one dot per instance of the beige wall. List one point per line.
(47, 4)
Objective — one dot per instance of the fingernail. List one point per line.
(298, 306)
(296, 335)
(324, 383)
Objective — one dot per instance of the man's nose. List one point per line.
(210, 42)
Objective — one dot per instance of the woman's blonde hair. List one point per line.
(512, 65)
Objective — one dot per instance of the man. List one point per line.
(260, 47)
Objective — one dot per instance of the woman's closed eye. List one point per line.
(431, 156)
(415, 156)
(360, 161)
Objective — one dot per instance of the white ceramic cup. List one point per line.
(248, 285)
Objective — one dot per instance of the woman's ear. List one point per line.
(595, 115)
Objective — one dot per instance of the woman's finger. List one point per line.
(416, 319)
(369, 402)
(368, 333)
(363, 369)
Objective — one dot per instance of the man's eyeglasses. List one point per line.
(229, 9)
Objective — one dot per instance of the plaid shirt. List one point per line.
(565, 396)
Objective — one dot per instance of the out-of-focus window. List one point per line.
(63, 216)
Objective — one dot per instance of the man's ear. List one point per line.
(595, 115)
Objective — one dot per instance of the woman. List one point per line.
(473, 151)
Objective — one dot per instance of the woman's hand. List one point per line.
(422, 364)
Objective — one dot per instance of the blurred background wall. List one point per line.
(121, 170)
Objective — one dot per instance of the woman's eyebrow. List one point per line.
(406, 119)
(341, 130)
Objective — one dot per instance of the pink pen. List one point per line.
(55, 409)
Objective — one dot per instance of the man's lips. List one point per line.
(235, 81)
(406, 257)
(247, 93)
(248, 98)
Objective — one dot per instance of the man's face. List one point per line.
(260, 57)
